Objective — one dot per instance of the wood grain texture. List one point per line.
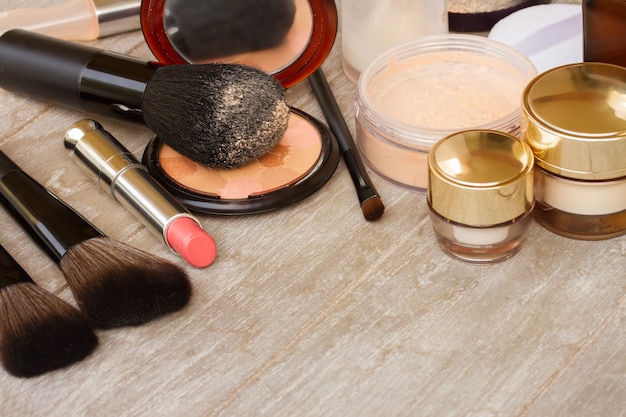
(312, 311)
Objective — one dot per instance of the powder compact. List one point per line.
(425, 89)
(298, 166)
(288, 39)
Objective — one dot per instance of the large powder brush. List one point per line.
(221, 115)
(39, 332)
(113, 283)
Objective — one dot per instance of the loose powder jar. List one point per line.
(574, 120)
(425, 89)
(480, 194)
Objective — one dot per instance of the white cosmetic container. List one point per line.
(370, 27)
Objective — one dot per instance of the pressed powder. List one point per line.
(300, 164)
(425, 89)
(480, 194)
(574, 119)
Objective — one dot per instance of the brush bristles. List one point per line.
(117, 285)
(221, 115)
(373, 208)
(39, 332)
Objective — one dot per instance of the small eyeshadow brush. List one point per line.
(221, 115)
(39, 332)
(371, 203)
(113, 283)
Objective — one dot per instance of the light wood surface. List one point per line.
(312, 311)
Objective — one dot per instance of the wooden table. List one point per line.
(312, 311)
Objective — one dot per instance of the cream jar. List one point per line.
(425, 89)
(574, 119)
(480, 194)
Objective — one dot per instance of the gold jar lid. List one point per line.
(574, 119)
(480, 177)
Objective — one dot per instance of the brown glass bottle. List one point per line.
(604, 31)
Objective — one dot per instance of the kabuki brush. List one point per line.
(221, 115)
(39, 332)
(113, 283)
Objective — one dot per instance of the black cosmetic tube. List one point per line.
(74, 75)
(51, 223)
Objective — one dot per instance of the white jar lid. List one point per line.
(552, 34)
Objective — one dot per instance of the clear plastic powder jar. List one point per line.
(425, 89)
(480, 194)
(574, 120)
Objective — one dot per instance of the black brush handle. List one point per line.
(54, 225)
(72, 75)
(337, 123)
(11, 272)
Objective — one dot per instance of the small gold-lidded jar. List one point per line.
(574, 119)
(480, 194)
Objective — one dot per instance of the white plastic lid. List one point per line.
(550, 35)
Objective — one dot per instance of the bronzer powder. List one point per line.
(299, 165)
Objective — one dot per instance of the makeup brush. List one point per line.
(371, 203)
(113, 283)
(39, 332)
(221, 115)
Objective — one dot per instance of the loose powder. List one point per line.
(447, 90)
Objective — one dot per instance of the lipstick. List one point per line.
(120, 174)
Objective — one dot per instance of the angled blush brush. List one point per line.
(221, 115)
(39, 332)
(113, 283)
(371, 204)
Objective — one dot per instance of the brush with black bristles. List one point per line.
(221, 115)
(39, 332)
(113, 283)
(371, 204)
